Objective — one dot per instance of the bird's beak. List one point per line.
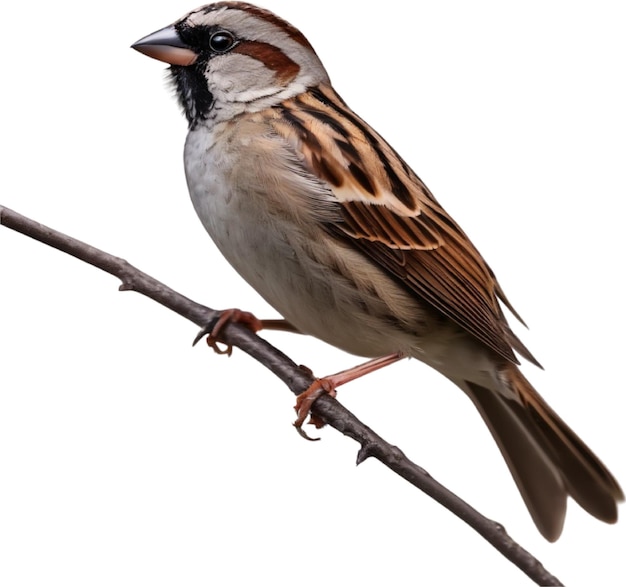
(165, 45)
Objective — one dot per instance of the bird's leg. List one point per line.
(328, 385)
(248, 319)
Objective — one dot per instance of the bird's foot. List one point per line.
(328, 386)
(248, 319)
(305, 401)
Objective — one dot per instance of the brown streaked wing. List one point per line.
(390, 215)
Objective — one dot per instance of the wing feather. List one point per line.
(390, 216)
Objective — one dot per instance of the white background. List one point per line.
(129, 458)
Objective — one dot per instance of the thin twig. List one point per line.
(296, 378)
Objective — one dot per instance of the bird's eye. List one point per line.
(221, 41)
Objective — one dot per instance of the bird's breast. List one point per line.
(257, 208)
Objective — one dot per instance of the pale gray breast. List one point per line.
(266, 215)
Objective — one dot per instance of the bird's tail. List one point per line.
(546, 458)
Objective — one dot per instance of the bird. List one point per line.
(319, 214)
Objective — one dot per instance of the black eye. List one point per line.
(221, 41)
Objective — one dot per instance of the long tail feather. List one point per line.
(546, 458)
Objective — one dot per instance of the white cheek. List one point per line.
(240, 78)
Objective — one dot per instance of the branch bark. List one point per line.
(296, 379)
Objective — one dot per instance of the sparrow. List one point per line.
(320, 215)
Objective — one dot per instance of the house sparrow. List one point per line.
(329, 224)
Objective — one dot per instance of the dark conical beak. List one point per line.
(165, 45)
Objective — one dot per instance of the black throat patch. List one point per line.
(193, 94)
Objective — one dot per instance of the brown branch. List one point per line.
(297, 379)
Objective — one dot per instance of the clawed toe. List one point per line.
(305, 401)
(328, 385)
(231, 315)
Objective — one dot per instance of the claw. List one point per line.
(232, 315)
(305, 401)
(328, 385)
(203, 332)
(304, 435)
(212, 340)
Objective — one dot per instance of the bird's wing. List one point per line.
(388, 213)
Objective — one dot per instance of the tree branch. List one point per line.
(296, 378)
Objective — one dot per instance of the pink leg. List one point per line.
(247, 319)
(329, 384)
